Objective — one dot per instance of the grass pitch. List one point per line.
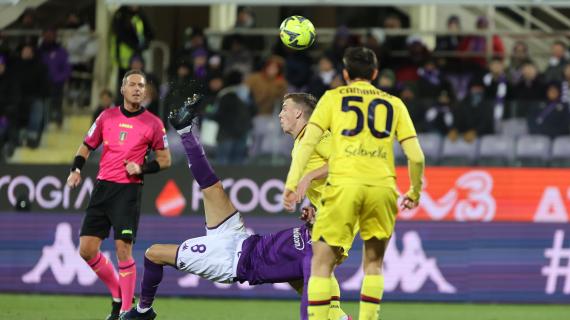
(57, 307)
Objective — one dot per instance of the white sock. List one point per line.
(142, 310)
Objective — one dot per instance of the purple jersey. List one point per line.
(275, 257)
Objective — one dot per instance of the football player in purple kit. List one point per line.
(227, 253)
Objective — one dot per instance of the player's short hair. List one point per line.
(130, 73)
(360, 62)
(306, 100)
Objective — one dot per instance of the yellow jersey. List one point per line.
(363, 121)
(317, 159)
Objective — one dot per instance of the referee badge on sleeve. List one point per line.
(165, 141)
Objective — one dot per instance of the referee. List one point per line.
(127, 132)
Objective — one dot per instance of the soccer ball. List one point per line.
(297, 32)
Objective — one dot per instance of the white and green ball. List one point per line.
(297, 32)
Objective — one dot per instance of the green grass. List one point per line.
(40, 307)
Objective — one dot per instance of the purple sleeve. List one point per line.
(306, 276)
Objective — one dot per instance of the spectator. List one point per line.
(387, 81)
(449, 44)
(341, 41)
(246, 20)
(439, 116)
(478, 45)
(82, 48)
(235, 111)
(448, 62)
(551, 117)
(194, 39)
(431, 84)
(200, 65)
(393, 43)
(418, 54)
(373, 41)
(416, 110)
(566, 85)
(56, 58)
(268, 85)
(473, 116)
(133, 35)
(298, 71)
(30, 88)
(558, 59)
(27, 21)
(498, 90)
(238, 56)
(529, 91)
(518, 58)
(322, 81)
(180, 88)
(105, 102)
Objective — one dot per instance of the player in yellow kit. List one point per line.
(294, 115)
(361, 182)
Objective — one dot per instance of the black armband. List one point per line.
(78, 163)
(150, 167)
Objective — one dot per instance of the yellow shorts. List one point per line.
(346, 207)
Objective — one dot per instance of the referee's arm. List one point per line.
(74, 178)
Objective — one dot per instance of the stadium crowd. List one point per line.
(452, 90)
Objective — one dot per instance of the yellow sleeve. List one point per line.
(323, 147)
(306, 148)
(322, 114)
(416, 163)
(405, 127)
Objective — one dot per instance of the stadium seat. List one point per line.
(533, 150)
(431, 144)
(458, 153)
(513, 127)
(496, 150)
(561, 152)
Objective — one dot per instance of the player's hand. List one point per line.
(308, 214)
(289, 200)
(302, 187)
(74, 179)
(410, 201)
(132, 168)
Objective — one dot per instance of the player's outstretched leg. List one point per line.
(217, 205)
(156, 257)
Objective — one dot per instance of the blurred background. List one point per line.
(487, 85)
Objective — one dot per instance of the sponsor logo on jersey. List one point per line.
(298, 239)
(125, 125)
